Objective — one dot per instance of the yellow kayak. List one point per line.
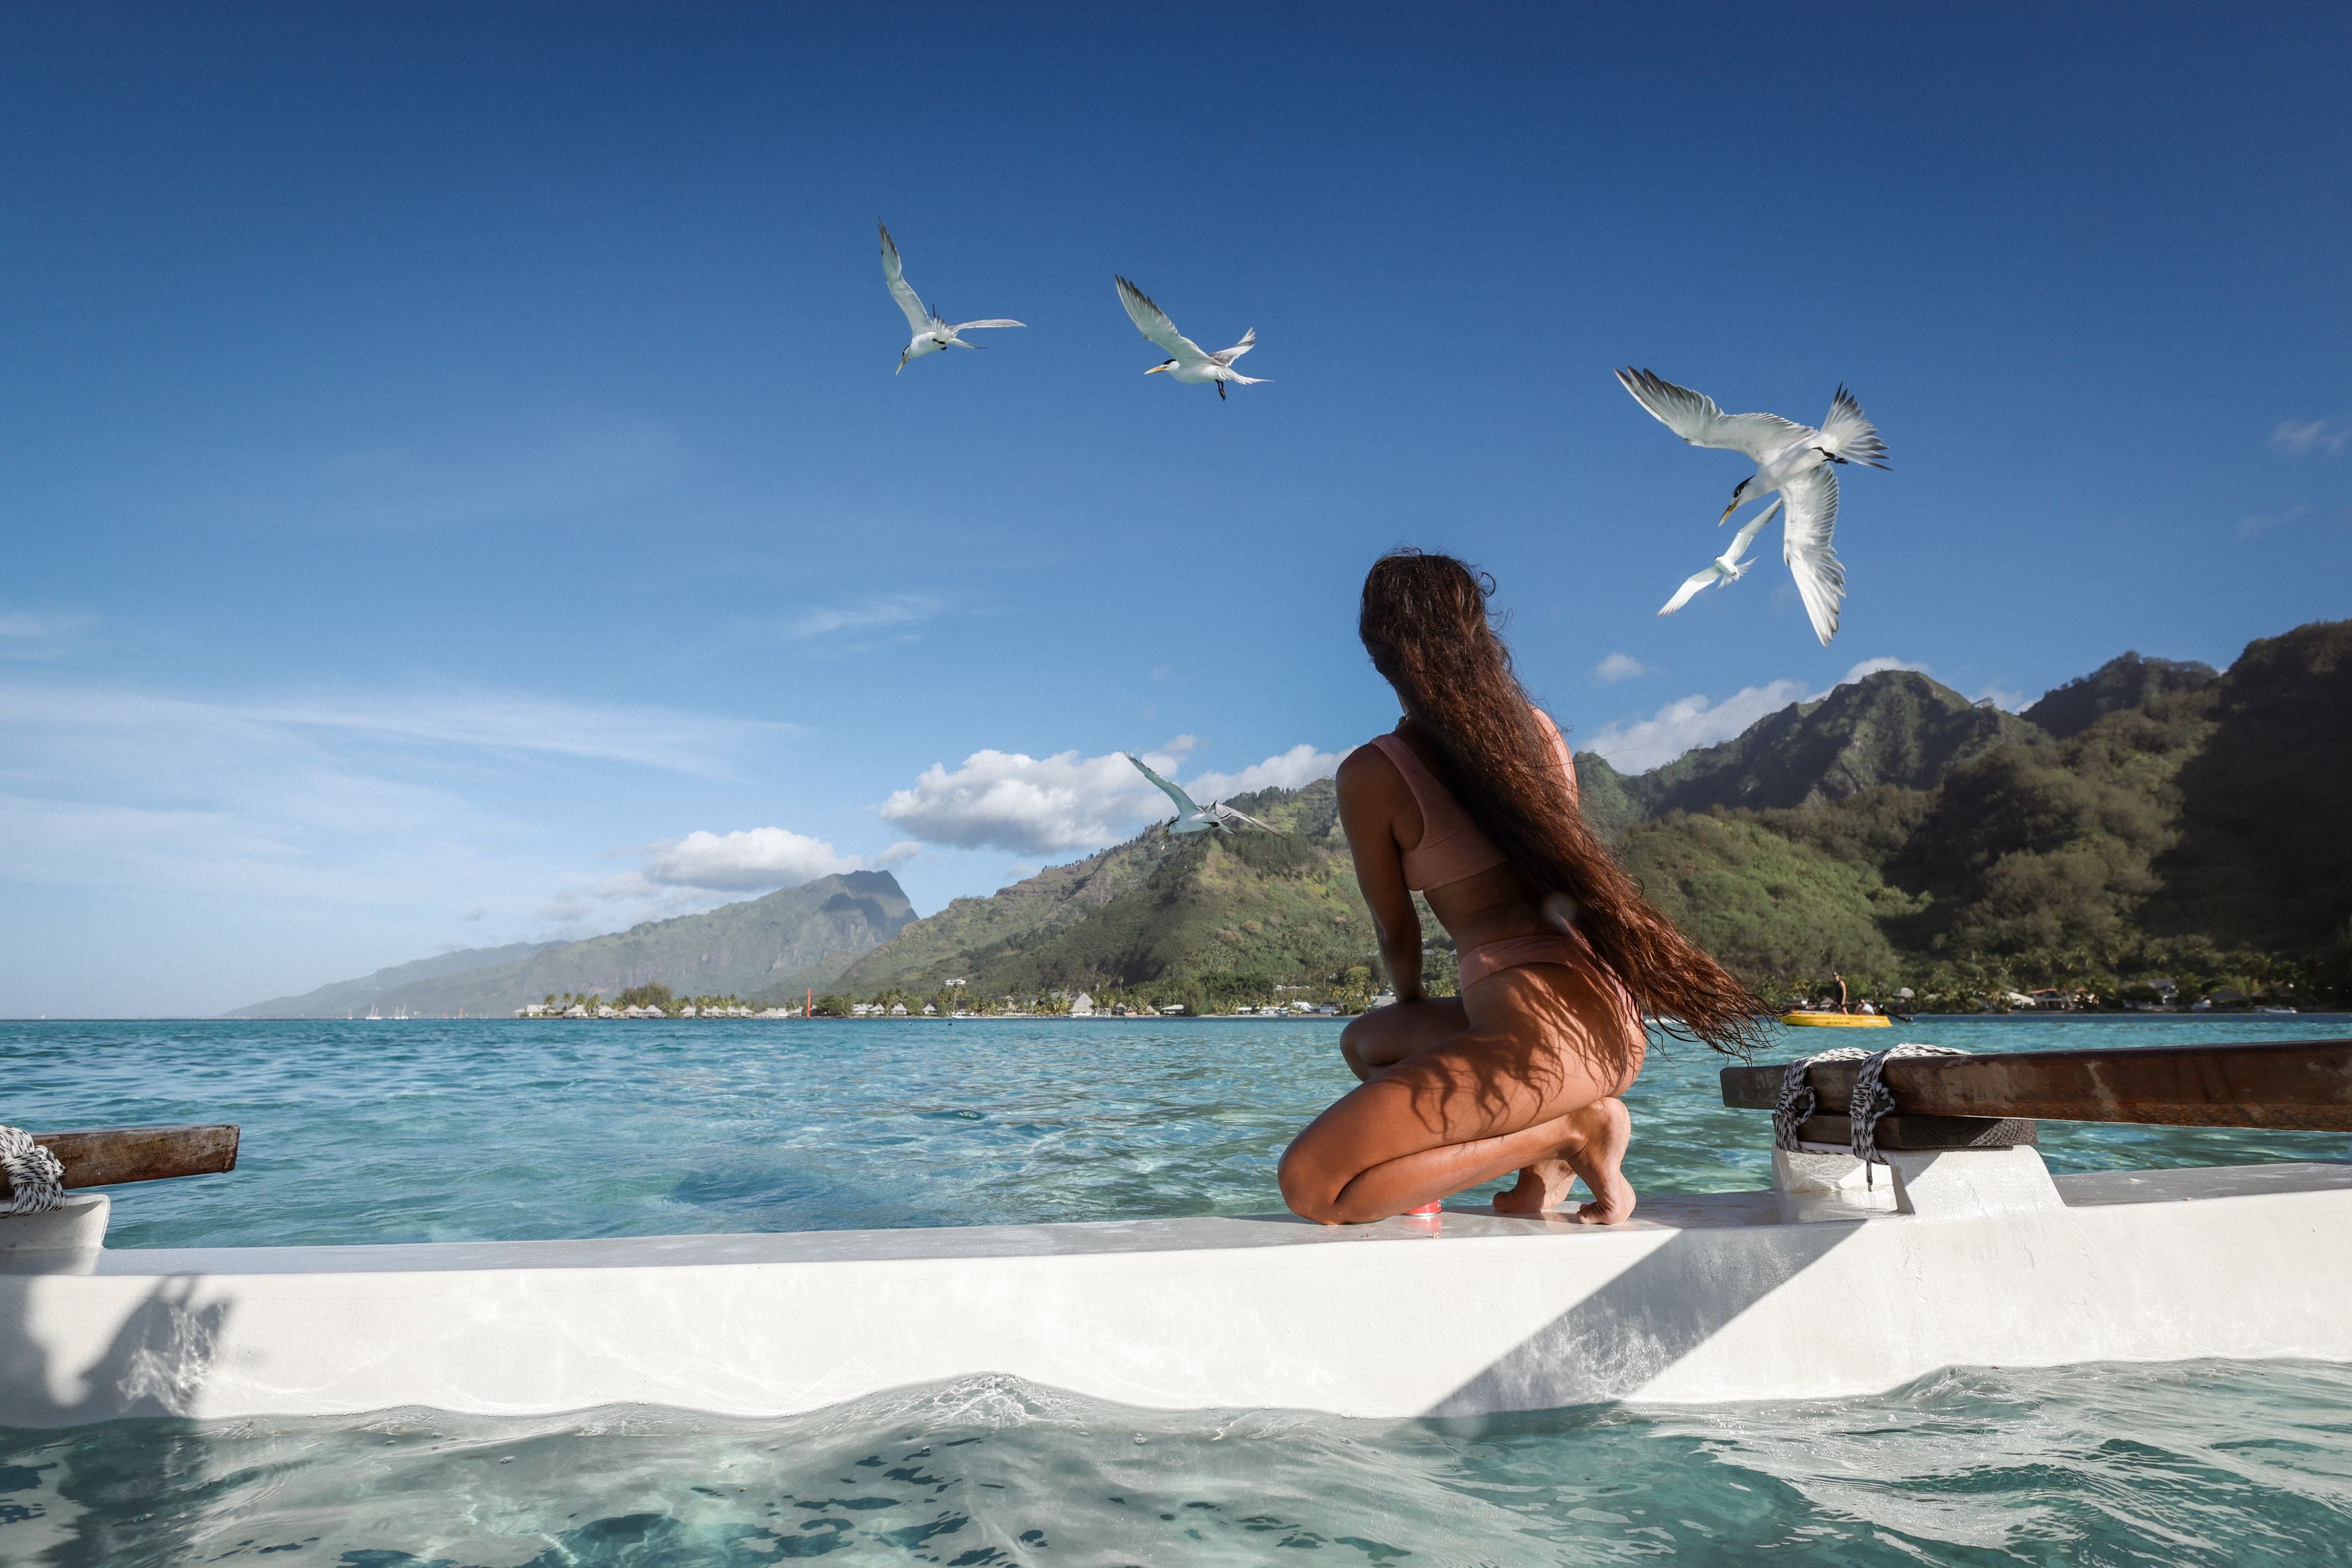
(1837, 1020)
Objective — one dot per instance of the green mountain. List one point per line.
(2119, 685)
(1220, 919)
(779, 946)
(2190, 829)
(351, 996)
(2261, 855)
(2172, 822)
(1892, 727)
(1611, 801)
(1204, 919)
(2164, 820)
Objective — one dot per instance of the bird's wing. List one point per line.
(1748, 530)
(1183, 802)
(1249, 341)
(1813, 498)
(1847, 433)
(1228, 812)
(894, 272)
(992, 321)
(1153, 323)
(1694, 417)
(1691, 585)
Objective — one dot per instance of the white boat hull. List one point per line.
(1731, 1297)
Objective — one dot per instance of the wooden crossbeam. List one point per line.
(107, 1157)
(2294, 1085)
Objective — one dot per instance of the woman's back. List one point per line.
(1471, 886)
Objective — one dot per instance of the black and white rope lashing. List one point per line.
(1872, 1098)
(37, 1181)
(1797, 1099)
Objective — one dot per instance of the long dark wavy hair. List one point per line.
(1425, 623)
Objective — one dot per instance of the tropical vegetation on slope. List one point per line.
(2152, 823)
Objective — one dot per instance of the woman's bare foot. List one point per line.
(1603, 1131)
(1541, 1186)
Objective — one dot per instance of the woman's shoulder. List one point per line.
(1368, 760)
(1370, 769)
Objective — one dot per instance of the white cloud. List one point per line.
(340, 808)
(17, 625)
(1637, 745)
(754, 858)
(1687, 724)
(1618, 667)
(1293, 769)
(868, 615)
(2001, 697)
(1036, 806)
(665, 738)
(2263, 522)
(2301, 438)
(1875, 666)
(1029, 805)
(28, 634)
(564, 468)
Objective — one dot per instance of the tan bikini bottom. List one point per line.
(1480, 963)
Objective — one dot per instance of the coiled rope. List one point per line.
(1872, 1098)
(36, 1181)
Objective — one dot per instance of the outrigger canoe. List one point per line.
(1964, 1251)
(1835, 1020)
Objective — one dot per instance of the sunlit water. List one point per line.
(449, 1131)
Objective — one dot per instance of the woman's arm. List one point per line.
(1371, 790)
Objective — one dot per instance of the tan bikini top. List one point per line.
(1451, 847)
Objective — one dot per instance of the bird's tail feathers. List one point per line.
(1848, 436)
(1241, 381)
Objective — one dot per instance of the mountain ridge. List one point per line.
(1894, 727)
(348, 995)
(1891, 829)
(785, 942)
(2187, 822)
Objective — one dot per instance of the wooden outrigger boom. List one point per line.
(2298, 1085)
(107, 1157)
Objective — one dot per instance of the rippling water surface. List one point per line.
(447, 1131)
(2201, 1464)
(463, 1131)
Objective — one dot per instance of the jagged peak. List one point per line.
(2129, 680)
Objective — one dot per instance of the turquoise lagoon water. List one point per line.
(454, 1131)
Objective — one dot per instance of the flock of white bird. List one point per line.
(1187, 360)
(1796, 466)
(1793, 465)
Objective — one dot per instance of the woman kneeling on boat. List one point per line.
(1470, 800)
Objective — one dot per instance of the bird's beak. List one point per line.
(1155, 370)
(1727, 511)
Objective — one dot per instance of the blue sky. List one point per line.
(454, 488)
